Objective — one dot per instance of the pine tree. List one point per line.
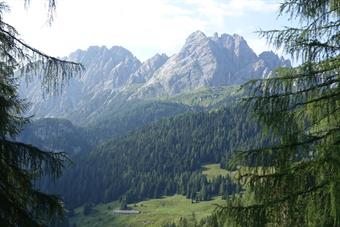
(20, 164)
(296, 180)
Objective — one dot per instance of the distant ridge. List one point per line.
(116, 74)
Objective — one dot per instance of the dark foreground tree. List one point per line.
(296, 181)
(20, 164)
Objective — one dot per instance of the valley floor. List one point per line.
(153, 212)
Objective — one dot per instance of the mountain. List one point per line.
(210, 61)
(154, 116)
(106, 71)
(114, 76)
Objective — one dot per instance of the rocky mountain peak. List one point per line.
(158, 57)
(208, 61)
(219, 60)
(196, 36)
(148, 68)
(195, 41)
(96, 54)
(107, 70)
(224, 41)
(273, 60)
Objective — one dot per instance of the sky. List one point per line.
(145, 27)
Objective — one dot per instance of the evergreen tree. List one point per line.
(296, 180)
(123, 203)
(88, 208)
(20, 164)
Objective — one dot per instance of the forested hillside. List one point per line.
(163, 158)
(121, 119)
(128, 103)
(131, 148)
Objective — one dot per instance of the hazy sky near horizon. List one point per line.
(145, 27)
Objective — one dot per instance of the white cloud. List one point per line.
(232, 7)
(144, 27)
(258, 45)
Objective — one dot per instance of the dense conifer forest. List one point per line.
(163, 158)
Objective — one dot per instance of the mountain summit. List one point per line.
(210, 61)
(219, 60)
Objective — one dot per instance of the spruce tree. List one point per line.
(21, 204)
(295, 181)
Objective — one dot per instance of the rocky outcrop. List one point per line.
(148, 68)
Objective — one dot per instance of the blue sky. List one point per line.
(144, 27)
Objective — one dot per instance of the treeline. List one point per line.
(193, 185)
(61, 135)
(130, 115)
(163, 158)
(210, 221)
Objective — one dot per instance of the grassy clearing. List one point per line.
(154, 212)
(212, 171)
(206, 96)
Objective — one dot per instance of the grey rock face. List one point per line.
(110, 68)
(273, 61)
(210, 61)
(107, 70)
(148, 68)
(202, 61)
